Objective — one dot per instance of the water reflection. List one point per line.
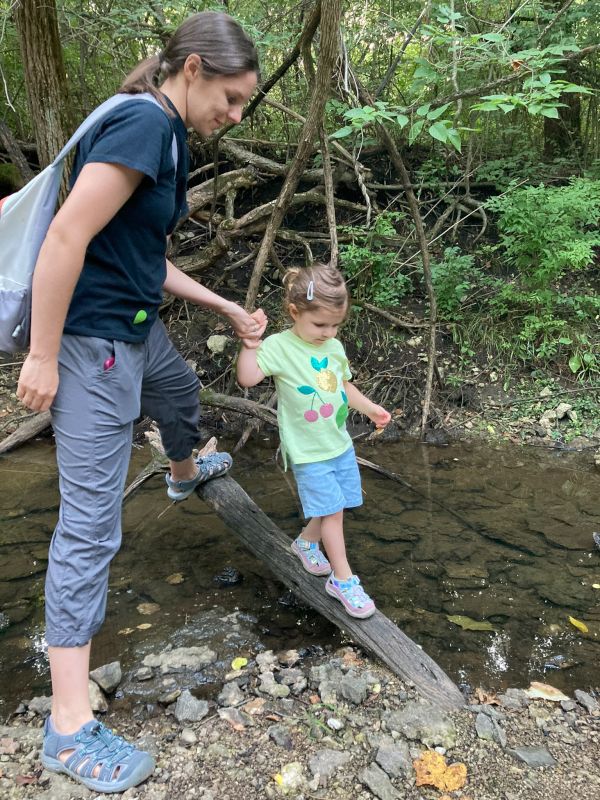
(501, 535)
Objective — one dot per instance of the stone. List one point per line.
(424, 722)
(335, 724)
(189, 709)
(143, 674)
(587, 701)
(40, 705)
(268, 685)
(378, 782)
(230, 695)
(281, 736)
(325, 763)
(488, 729)
(354, 688)
(266, 661)
(534, 757)
(394, 757)
(292, 778)
(97, 699)
(108, 676)
(217, 343)
(192, 658)
(236, 718)
(188, 736)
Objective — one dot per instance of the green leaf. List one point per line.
(493, 37)
(439, 131)
(506, 107)
(402, 120)
(468, 624)
(454, 139)
(415, 130)
(549, 111)
(423, 110)
(437, 112)
(343, 132)
(545, 78)
(341, 415)
(575, 364)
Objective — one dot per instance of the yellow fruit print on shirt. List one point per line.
(327, 381)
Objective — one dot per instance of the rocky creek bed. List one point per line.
(337, 725)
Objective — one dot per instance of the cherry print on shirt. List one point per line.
(327, 381)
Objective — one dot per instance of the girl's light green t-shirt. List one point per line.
(312, 406)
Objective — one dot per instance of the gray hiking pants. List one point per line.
(92, 416)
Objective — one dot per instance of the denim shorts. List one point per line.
(326, 487)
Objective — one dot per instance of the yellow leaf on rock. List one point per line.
(278, 778)
(544, 691)
(239, 663)
(432, 770)
(595, 585)
(468, 624)
(125, 631)
(143, 626)
(581, 626)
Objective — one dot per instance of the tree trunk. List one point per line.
(330, 33)
(45, 78)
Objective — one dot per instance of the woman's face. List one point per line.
(213, 102)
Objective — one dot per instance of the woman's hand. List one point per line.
(247, 326)
(38, 383)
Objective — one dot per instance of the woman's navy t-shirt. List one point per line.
(120, 288)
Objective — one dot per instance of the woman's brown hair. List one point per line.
(222, 44)
(317, 286)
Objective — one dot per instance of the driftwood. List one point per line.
(378, 634)
(27, 430)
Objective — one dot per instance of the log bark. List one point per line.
(45, 76)
(26, 431)
(378, 634)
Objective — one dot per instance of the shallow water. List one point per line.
(497, 534)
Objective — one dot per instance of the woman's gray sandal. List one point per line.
(95, 748)
(211, 466)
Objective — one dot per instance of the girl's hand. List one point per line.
(38, 383)
(380, 416)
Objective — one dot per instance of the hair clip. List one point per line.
(310, 290)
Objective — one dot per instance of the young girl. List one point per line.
(314, 393)
(100, 354)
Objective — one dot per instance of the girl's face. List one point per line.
(316, 327)
(212, 102)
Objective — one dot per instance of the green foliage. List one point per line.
(546, 231)
(368, 262)
(454, 278)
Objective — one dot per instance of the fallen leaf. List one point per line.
(278, 778)
(595, 585)
(175, 578)
(125, 631)
(273, 717)
(581, 626)
(314, 698)
(432, 770)
(148, 608)
(544, 691)
(143, 626)
(486, 698)
(468, 624)
(239, 663)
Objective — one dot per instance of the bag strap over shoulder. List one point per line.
(104, 109)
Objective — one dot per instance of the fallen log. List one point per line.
(378, 634)
(27, 430)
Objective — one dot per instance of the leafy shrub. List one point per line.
(454, 278)
(547, 231)
(368, 262)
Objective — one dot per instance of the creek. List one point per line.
(490, 533)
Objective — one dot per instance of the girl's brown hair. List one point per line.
(317, 286)
(222, 44)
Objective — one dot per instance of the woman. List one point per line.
(100, 356)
